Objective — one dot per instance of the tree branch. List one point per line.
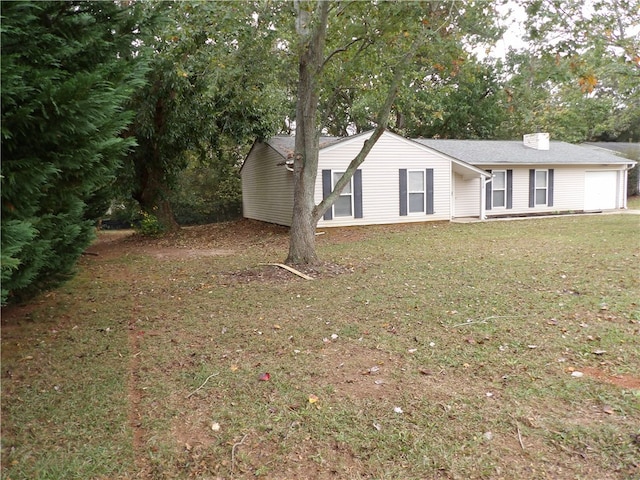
(382, 121)
(340, 50)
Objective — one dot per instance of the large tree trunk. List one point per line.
(153, 194)
(153, 197)
(312, 33)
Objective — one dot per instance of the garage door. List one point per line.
(600, 190)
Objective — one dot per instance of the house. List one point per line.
(404, 180)
(627, 150)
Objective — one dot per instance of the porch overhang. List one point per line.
(468, 171)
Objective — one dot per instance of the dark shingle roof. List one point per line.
(496, 152)
(629, 150)
(285, 144)
(489, 152)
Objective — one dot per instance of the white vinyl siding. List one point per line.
(380, 178)
(466, 196)
(267, 188)
(568, 190)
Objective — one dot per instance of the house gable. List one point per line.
(391, 157)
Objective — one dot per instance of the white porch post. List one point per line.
(483, 196)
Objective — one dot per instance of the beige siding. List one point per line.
(466, 196)
(381, 179)
(267, 188)
(568, 189)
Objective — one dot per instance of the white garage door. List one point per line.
(600, 190)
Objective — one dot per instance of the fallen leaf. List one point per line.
(377, 426)
(233, 368)
(607, 409)
(313, 398)
(276, 326)
(264, 377)
(371, 371)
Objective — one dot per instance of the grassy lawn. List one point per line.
(454, 351)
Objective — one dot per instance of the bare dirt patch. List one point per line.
(173, 253)
(623, 381)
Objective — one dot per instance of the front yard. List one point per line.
(487, 350)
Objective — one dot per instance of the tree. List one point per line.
(580, 75)
(210, 88)
(68, 68)
(371, 46)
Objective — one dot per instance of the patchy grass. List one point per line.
(633, 203)
(421, 351)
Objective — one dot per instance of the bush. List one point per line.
(150, 226)
(205, 194)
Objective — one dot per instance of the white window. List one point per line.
(541, 187)
(499, 189)
(343, 206)
(416, 191)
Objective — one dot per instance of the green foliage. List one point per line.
(150, 226)
(461, 100)
(210, 89)
(578, 79)
(62, 96)
(207, 194)
(444, 91)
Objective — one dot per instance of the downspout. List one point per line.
(625, 182)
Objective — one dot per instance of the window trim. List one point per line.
(423, 191)
(403, 177)
(350, 194)
(494, 190)
(536, 188)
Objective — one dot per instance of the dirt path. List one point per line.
(135, 396)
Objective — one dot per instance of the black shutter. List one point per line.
(429, 192)
(550, 188)
(509, 188)
(532, 188)
(403, 192)
(326, 190)
(357, 194)
(489, 192)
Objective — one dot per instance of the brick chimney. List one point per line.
(539, 141)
